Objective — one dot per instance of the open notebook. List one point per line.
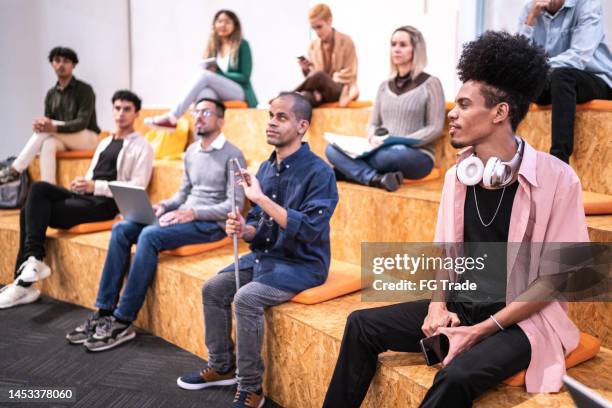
(357, 147)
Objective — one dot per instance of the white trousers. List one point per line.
(47, 144)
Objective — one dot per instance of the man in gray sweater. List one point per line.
(195, 214)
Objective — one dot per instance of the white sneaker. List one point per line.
(13, 295)
(33, 270)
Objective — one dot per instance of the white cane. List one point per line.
(234, 163)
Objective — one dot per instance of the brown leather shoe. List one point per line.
(246, 399)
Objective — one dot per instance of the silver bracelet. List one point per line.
(497, 323)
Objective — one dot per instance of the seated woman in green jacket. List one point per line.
(226, 71)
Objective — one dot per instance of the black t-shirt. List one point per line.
(106, 168)
(491, 281)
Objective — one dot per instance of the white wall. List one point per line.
(95, 29)
(168, 38)
(371, 25)
(167, 49)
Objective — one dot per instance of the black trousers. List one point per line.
(49, 205)
(323, 83)
(565, 87)
(369, 332)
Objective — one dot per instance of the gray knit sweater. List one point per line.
(417, 114)
(206, 185)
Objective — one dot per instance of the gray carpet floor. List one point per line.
(140, 373)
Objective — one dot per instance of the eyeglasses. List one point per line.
(202, 112)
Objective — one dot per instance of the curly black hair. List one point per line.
(513, 70)
(65, 52)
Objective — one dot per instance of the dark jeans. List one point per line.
(323, 83)
(49, 205)
(150, 240)
(565, 87)
(413, 163)
(397, 327)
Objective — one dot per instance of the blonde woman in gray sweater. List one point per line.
(408, 106)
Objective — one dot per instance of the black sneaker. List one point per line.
(109, 333)
(85, 330)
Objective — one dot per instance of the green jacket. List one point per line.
(241, 73)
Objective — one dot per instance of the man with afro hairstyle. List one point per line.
(495, 338)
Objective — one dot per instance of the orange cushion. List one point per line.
(596, 204)
(338, 283)
(194, 249)
(93, 226)
(434, 174)
(75, 154)
(351, 104)
(235, 104)
(600, 105)
(588, 347)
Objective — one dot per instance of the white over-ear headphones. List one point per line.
(496, 174)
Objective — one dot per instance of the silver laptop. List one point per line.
(133, 203)
(583, 396)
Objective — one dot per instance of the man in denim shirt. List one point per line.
(294, 196)
(572, 33)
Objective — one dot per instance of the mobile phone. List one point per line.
(435, 348)
(240, 170)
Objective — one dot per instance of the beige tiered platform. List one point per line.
(302, 341)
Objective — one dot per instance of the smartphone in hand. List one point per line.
(434, 348)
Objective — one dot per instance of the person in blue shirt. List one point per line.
(294, 195)
(572, 33)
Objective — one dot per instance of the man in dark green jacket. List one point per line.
(69, 122)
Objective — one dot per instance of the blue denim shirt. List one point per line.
(573, 38)
(298, 257)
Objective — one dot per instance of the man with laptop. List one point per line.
(124, 156)
(195, 214)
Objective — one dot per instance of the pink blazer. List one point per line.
(547, 208)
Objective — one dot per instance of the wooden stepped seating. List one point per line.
(246, 128)
(302, 341)
(599, 105)
(414, 207)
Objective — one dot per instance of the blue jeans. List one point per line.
(150, 240)
(413, 163)
(249, 303)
